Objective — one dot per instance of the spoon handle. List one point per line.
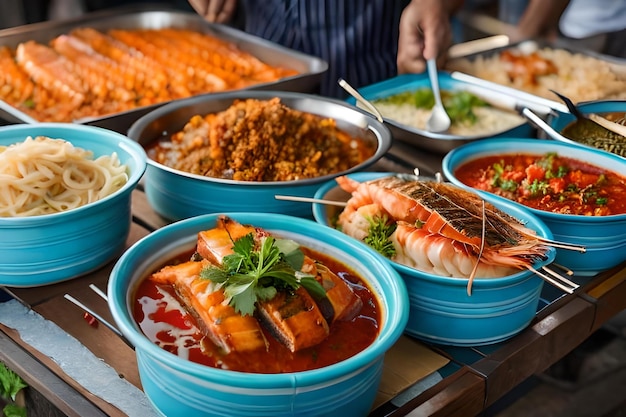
(431, 64)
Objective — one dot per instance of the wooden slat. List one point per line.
(40, 378)
(536, 348)
(460, 395)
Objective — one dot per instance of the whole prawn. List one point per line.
(441, 228)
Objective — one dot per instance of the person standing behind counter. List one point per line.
(598, 25)
(363, 41)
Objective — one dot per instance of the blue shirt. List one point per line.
(358, 38)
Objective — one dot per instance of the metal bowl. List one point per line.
(176, 194)
(439, 142)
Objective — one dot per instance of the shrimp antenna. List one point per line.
(480, 253)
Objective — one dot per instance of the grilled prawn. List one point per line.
(440, 228)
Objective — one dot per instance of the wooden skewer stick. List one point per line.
(607, 124)
(311, 200)
(555, 282)
(98, 317)
(99, 292)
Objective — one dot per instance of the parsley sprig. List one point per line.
(379, 236)
(249, 274)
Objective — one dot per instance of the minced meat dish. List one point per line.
(261, 140)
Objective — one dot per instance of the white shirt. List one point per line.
(584, 18)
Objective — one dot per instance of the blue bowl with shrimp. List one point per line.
(441, 311)
(177, 386)
(603, 237)
(43, 249)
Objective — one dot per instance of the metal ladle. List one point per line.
(439, 121)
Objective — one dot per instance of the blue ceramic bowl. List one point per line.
(437, 142)
(560, 120)
(177, 387)
(440, 310)
(604, 237)
(46, 249)
(177, 195)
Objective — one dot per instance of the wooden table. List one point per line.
(472, 381)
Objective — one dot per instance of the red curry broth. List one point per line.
(165, 322)
(548, 182)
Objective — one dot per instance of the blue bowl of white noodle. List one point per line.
(65, 200)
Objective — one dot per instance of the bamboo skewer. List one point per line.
(311, 200)
(549, 242)
(607, 124)
(96, 315)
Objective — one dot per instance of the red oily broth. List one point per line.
(548, 182)
(164, 320)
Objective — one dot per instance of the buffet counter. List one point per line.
(84, 368)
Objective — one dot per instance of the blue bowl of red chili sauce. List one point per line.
(578, 192)
(185, 373)
(442, 311)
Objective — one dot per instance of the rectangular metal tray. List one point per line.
(617, 65)
(310, 68)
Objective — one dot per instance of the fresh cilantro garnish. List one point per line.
(378, 236)
(538, 188)
(602, 201)
(250, 275)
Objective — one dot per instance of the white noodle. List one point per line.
(44, 175)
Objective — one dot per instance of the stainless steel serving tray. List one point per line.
(310, 69)
(494, 45)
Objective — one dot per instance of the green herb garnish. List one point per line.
(458, 104)
(378, 236)
(10, 384)
(249, 275)
(602, 201)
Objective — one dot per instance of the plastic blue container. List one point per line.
(177, 387)
(46, 249)
(441, 310)
(604, 237)
(178, 195)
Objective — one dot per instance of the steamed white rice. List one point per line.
(490, 120)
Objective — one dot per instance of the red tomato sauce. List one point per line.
(548, 182)
(164, 320)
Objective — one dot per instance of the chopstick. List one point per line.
(96, 315)
(556, 280)
(310, 200)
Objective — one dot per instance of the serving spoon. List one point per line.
(439, 120)
(359, 97)
(602, 121)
